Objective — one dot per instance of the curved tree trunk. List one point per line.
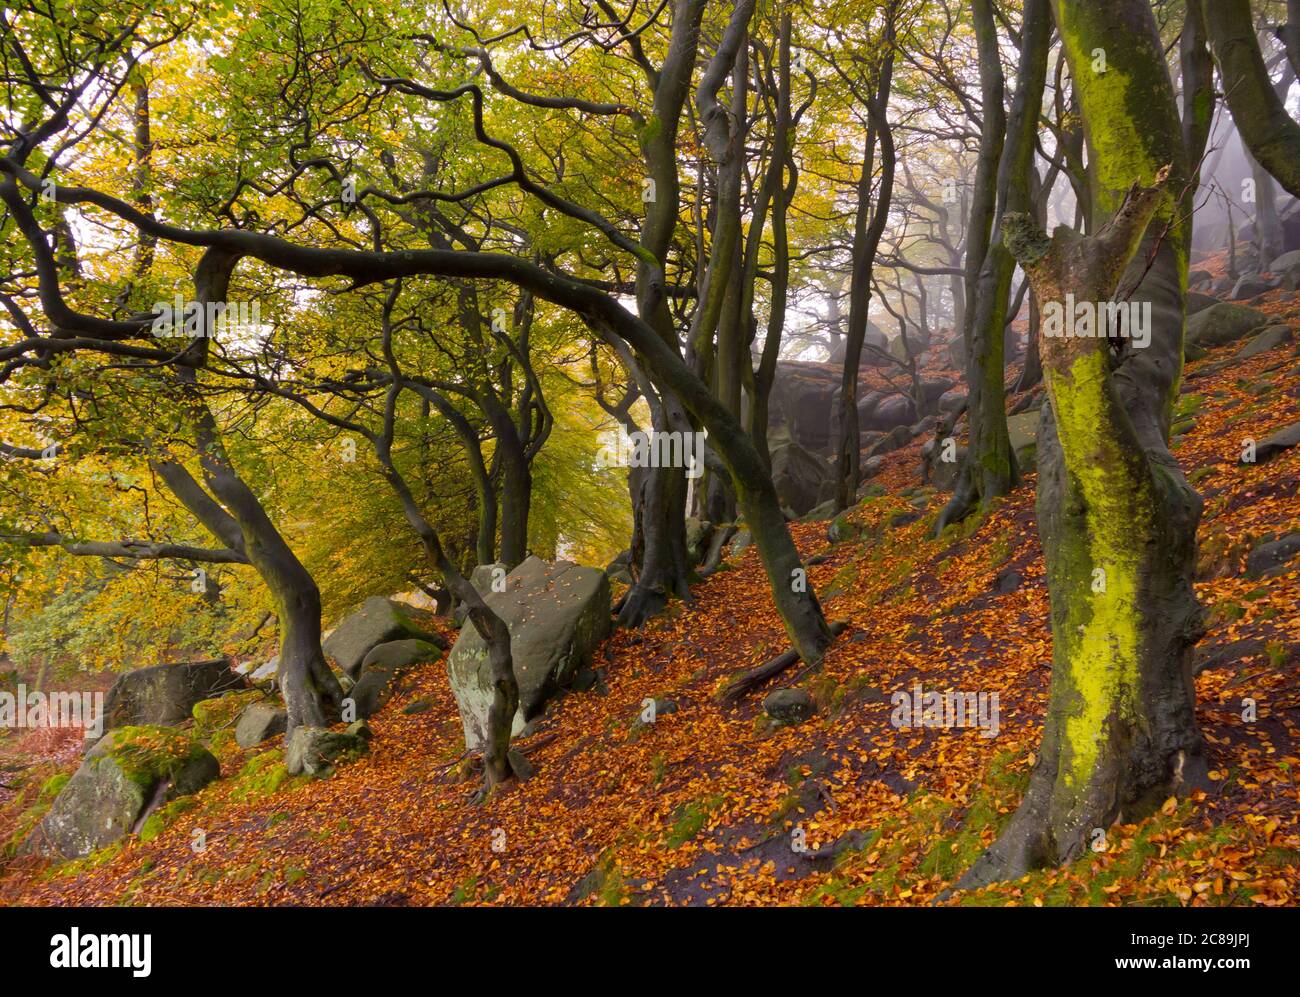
(1116, 516)
(311, 693)
(989, 469)
(1268, 131)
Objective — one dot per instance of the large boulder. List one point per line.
(484, 577)
(802, 404)
(932, 390)
(128, 773)
(1273, 557)
(1250, 286)
(1280, 442)
(166, 694)
(378, 621)
(260, 722)
(557, 614)
(1022, 428)
(381, 667)
(1198, 302)
(798, 476)
(896, 410)
(1222, 323)
(1270, 338)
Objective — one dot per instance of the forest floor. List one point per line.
(709, 804)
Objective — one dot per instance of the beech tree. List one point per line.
(1116, 516)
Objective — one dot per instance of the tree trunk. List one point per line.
(1265, 127)
(311, 693)
(989, 469)
(1116, 516)
(866, 239)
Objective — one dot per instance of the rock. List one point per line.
(619, 569)
(903, 518)
(131, 771)
(1196, 277)
(802, 405)
(1007, 581)
(383, 664)
(742, 540)
(698, 533)
(1223, 285)
(798, 476)
(1272, 337)
(932, 390)
(260, 722)
(1197, 302)
(1274, 557)
(166, 694)
(361, 729)
(1250, 286)
(661, 708)
(943, 473)
(522, 768)
(1222, 323)
(557, 614)
(1279, 442)
(820, 512)
(378, 621)
(1285, 262)
(952, 400)
(1226, 655)
(394, 655)
(483, 578)
(842, 528)
(418, 706)
(895, 439)
(896, 410)
(316, 750)
(789, 706)
(266, 670)
(1023, 431)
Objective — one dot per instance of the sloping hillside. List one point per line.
(712, 804)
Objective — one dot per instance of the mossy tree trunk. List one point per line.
(1116, 516)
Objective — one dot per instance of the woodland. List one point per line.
(650, 453)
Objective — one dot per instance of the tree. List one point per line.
(1116, 516)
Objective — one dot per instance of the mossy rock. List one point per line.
(316, 751)
(129, 771)
(221, 713)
